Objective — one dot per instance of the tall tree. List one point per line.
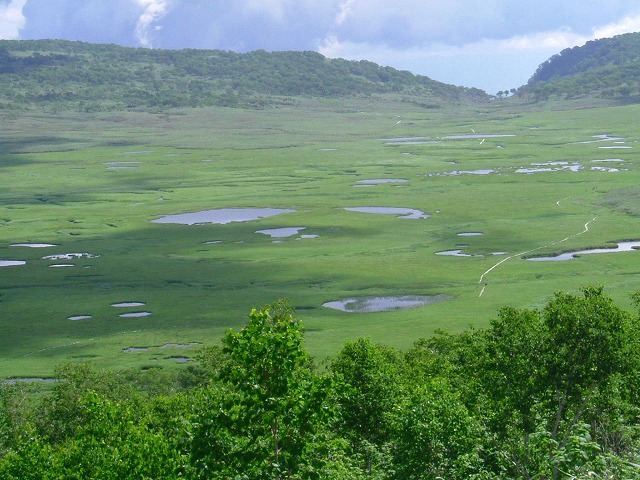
(264, 414)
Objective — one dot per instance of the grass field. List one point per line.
(93, 183)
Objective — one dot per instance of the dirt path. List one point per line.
(482, 277)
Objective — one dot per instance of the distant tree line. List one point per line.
(539, 394)
(608, 68)
(86, 76)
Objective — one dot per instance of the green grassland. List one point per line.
(60, 187)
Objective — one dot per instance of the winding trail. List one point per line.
(586, 229)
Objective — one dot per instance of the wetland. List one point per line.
(93, 263)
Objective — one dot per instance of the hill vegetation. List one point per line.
(608, 68)
(88, 77)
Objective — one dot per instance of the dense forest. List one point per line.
(608, 67)
(91, 77)
(539, 394)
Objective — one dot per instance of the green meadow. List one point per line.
(93, 183)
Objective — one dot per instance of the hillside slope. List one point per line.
(608, 68)
(82, 76)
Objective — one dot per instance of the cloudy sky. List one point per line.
(489, 44)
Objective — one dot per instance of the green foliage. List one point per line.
(117, 442)
(265, 411)
(60, 415)
(369, 390)
(435, 436)
(86, 77)
(606, 67)
(540, 394)
(12, 414)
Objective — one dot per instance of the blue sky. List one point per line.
(489, 44)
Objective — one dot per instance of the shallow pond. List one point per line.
(179, 345)
(34, 245)
(79, 317)
(470, 234)
(456, 253)
(180, 359)
(128, 304)
(551, 167)
(13, 381)
(134, 314)
(408, 213)
(11, 263)
(476, 136)
(69, 256)
(222, 216)
(485, 171)
(281, 232)
(621, 247)
(402, 139)
(385, 304)
(380, 181)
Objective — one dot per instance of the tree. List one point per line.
(368, 375)
(435, 436)
(264, 413)
(549, 372)
(60, 414)
(586, 347)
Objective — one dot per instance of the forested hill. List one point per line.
(608, 67)
(83, 76)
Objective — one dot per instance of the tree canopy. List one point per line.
(607, 67)
(82, 76)
(549, 393)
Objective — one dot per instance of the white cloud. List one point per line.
(152, 11)
(12, 19)
(345, 10)
(275, 9)
(628, 24)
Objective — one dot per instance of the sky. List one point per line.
(493, 45)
